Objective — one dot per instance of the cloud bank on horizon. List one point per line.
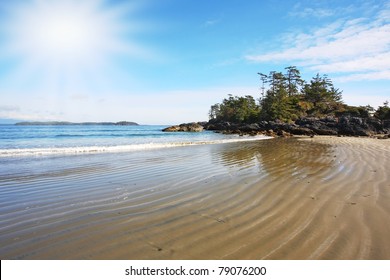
(167, 61)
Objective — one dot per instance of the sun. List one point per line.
(63, 32)
(68, 37)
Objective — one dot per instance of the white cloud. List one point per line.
(8, 108)
(370, 63)
(355, 48)
(211, 22)
(370, 76)
(13, 112)
(311, 12)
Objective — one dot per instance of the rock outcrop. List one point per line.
(343, 126)
(185, 127)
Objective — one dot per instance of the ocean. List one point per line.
(135, 192)
(46, 140)
(62, 185)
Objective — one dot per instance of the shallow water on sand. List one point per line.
(274, 198)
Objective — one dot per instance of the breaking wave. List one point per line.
(116, 149)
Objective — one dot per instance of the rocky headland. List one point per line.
(310, 126)
(186, 127)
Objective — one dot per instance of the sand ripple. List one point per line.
(321, 198)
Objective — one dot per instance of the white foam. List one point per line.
(116, 149)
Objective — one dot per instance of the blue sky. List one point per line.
(168, 61)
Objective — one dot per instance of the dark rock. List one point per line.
(283, 133)
(302, 131)
(356, 126)
(185, 127)
(330, 125)
(383, 137)
(270, 133)
(386, 124)
(174, 128)
(325, 131)
(250, 127)
(218, 126)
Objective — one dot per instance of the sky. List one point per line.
(168, 61)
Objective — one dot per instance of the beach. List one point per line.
(282, 198)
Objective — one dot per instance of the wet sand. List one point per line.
(320, 198)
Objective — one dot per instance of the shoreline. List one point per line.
(85, 150)
(309, 126)
(283, 198)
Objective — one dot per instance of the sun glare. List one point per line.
(61, 35)
(72, 36)
(62, 31)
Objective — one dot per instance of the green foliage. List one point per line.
(354, 111)
(236, 109)
(322, 94)
(288, 98)
(276, 105)
(293, 80)
(383, 112)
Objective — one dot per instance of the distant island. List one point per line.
(124, 123)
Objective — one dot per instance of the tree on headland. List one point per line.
(356, 111)
(264, 80)
(383, 112)
(294, 80)
(235, 109)
(322, 94)
(288, 98)
(274, 105)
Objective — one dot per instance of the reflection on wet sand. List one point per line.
(270, 199)
(277, 157)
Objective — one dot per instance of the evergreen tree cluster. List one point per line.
(287, 97)
(236, 109)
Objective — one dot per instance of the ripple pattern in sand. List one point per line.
(270, 199)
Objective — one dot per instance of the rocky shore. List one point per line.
(343, 126)
(186, 127)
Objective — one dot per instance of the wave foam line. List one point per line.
(115, 149)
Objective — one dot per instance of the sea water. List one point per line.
(44, 140)
(62, 186)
